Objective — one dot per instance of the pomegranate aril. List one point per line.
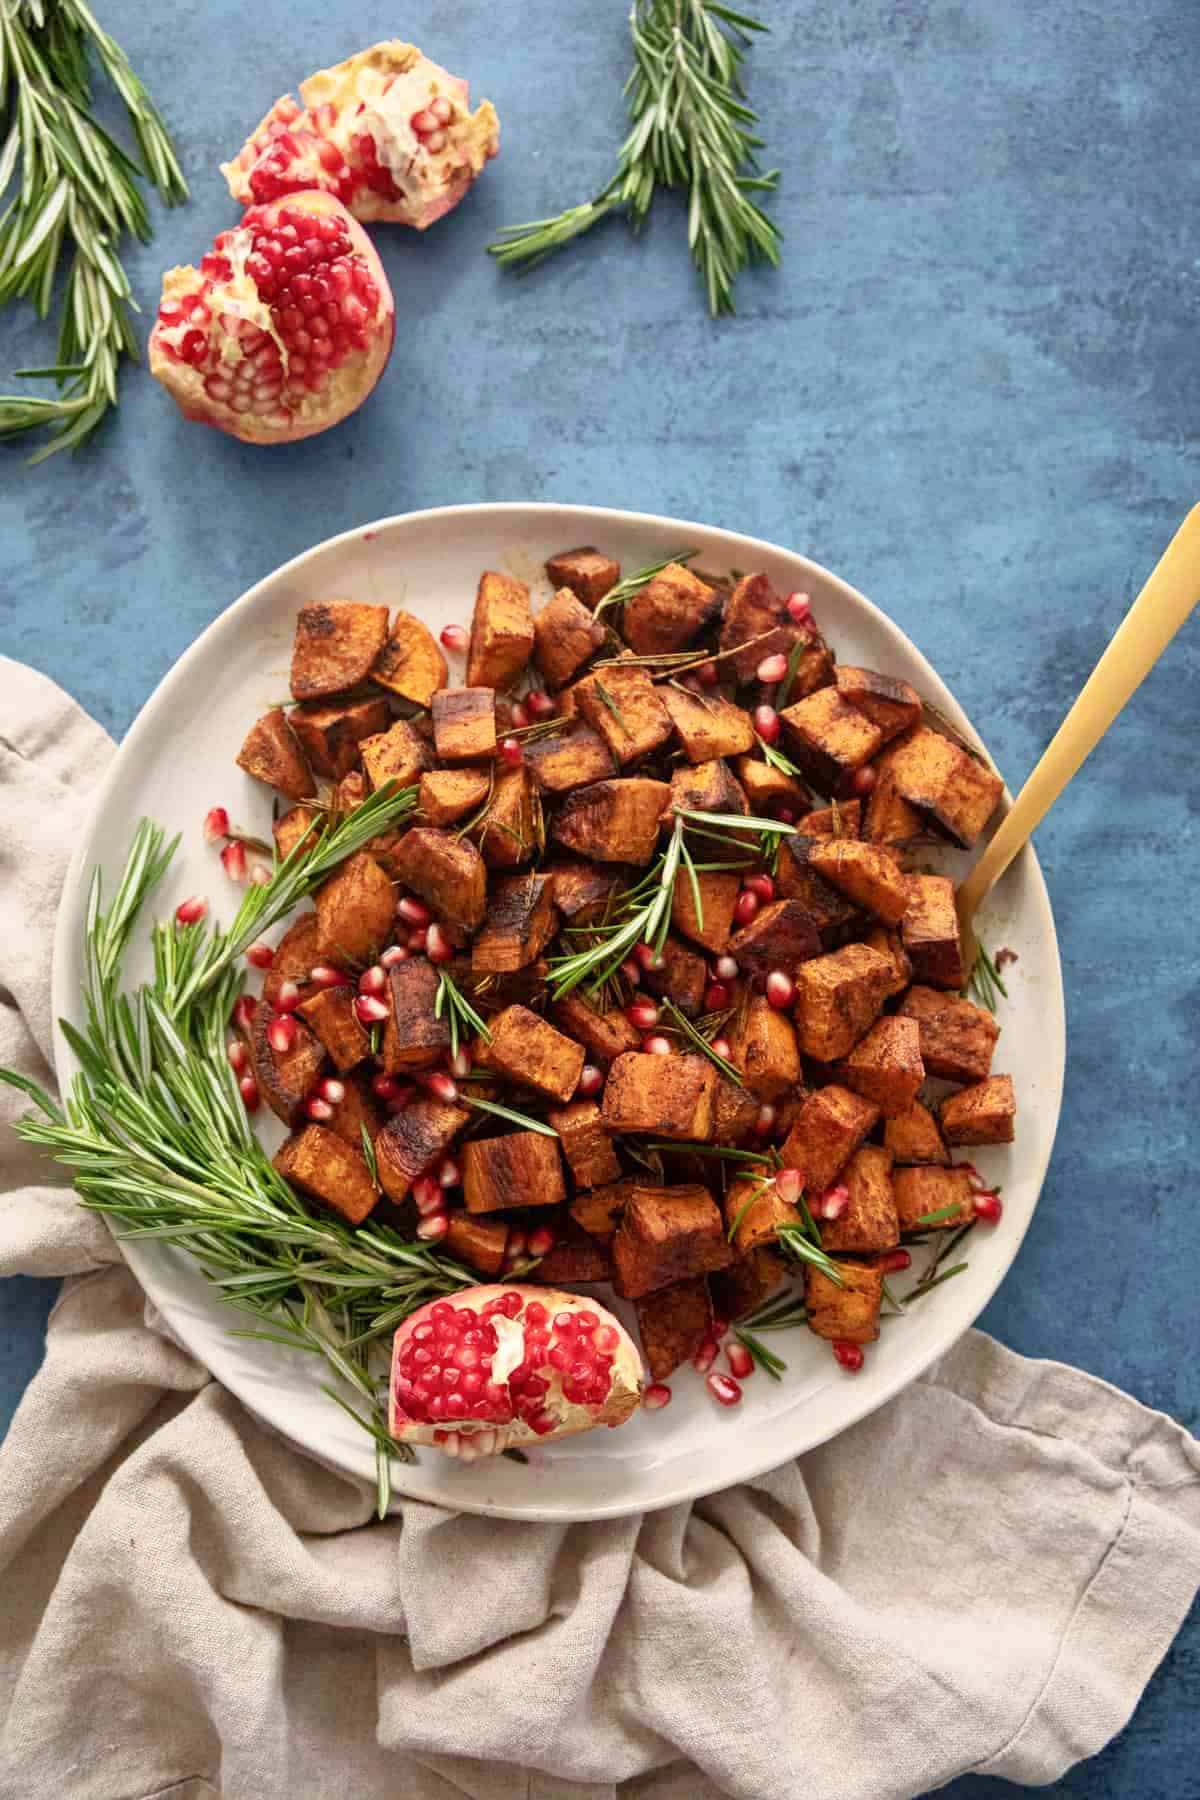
(706, 1355)
(427, 1196)
(656, 1045)
(722, 1047)
(438, 947)
(190, 912)
(799, 607)
(248, 1089)
(449, 1174)
(724, 1388)
(763, 886)
(323, 976)
(781, 989)
(726, 968)
(511, 752)
(789, 1185)
(893, 1261)
(413, 912)
(746, 907)
(281, 1033)
(740, 1361)
(708, 674)
(766, 723)
(864, 780)
(716, 997)
(460, 1063)
(988, 1207)
(238, 1055)
(370, 1011)
(395, 953)
(515, 1249)
(216, 824)
(773, 667)
(432, 1229)
(539, 704)
(244, 1009)
(332, 1090)
(541, 1240)
(288, 997)
(849, 1355)
(834, 1201)
(373, 980)
(456, 638)
(648, 958)
(764, 1124)
(318, 1109)
(260, 956)
(591, 1080)
(643, 1014)
(656, 1396)
(631, 970)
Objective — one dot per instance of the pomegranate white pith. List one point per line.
(388, 132)
(504, 1365)
(284, 328)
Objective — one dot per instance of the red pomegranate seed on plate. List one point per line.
(766, 723)
(216, 824)
(449, 1174)
(849, 1355)
(373, 980)
(386, 1087)
(539, 704)
(648, 957)
(416, 939)
(434, 1227)
(248, 1089)
(438, 947)
(721, 1046)
(740, 1361)
(324, 976)
(643, 1014)
(716, 996)
(244, 1008)
(631, 970)
(893, 1261)
(764, 1125)
(789, 1184)
(456, 638)
(260, 955)
(763, 886)
(369, 1011)
(519, 717)
(864, 780)
(238, 1055)
(541, 1240)
(834, 1201)
(656, 1045)
(318, 1109)
(781, 989)
(773, 667)
(233, 860)
(441, 1087)
(746, 907)
(260, 876)
(412, 911)
(591, 1080)
(331, 1090)
(799, 607)
(281, 1033)
(656, 1396)
(511, 752)
(288, 997)
(190, 912)
(427, 1196)
(988, 1207)
(724, 1388)
(515, 1248)
(726, 968)
(460, 1063)
(705, 1356)
(395, 953)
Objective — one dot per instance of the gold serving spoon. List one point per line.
(1143, 634)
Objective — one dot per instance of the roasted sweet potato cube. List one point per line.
(933, 1199)
(746, 1284)
(356, 1111)
(480, 1243)
(413, 1140)
(411, 663)
(673, 1322)
(885, 1066)
(582, 893)
(586, 1144)
(599, 1213)
(464, 724)
(447, 795)
(837, 998)
(850, 1313)
(755, 615)
(706, 725)
(412, 1037)
(397, 754)
(735, 1112)
(330, 1013)
(571, 758)
(764, 1049)
(669, 1096)
(754, 1213)
(834, 916)
(667, 1234)
(983, 1114)
(604, 1036)
(529, 1051)
(891, 704)
(889, 818)
(913, 1137)
(718, 897)
(355, 911)
(272, 754)
(613, 821)
(350, 793)
(521, 1168)
(512, 829)
(682, 977)
(865, 873)
(958, 1038)
(707, 787)
(779, 936)
(870, 1221)
(888, 944)
(767, 789)
(501, 631)
(586, 572)
(574, 1257)
(336, 643)
(285, 1078)
(565, 636)
(929, 930)
(625, 707)
(840, 819)
(296, 955)
(326, 1168)
(385, 850)
(669, 612)
(830, 739)
(934, 775)
(520, 922)
(297, 825)
(445, 871)
(828, 1129)
(330, 731)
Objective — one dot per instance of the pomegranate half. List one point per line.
(497, 1366)
(388, 132)
(284, 328)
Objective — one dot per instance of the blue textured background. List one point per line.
(973, 389)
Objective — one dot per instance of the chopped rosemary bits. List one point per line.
(514, 1118)
(985, 981)
(460, 1014)
(688, 1032)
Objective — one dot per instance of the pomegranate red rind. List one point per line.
(388, 132)
(507, 1365)
(284, 328)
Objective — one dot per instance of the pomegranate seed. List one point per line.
(716, 996)
(834, 1201)
(518, 716)
(281, 1034)
(849, 1355)
(656, 1045)
(260, 955)
(799, 607)
(631, 970)
(724, 1388)
(460, 1063)
(427, 1196)
(591, 1080)
(512, 753)
(442, 1088)
(772, 668)
(648, 957)
(413, 912)
(438, 947)
(442, 109)
(396, 953)
(864, 780)
(248, 1089)
(424, 122)
(763, 886)
(238, 1056)
(541, 1240)
(449, 1174)
(740, 1361)
(233, 861)
(656, 1396)
(643, 1014)
(190, 912)
(988, 1207)
(416, 939)
(747, 906)
(260, 876)
(789, 1184)
(324, 976)
(386, 1087)
(434, 1227)
(318, 1109)
(705, 1356)
(515, 1247)
(708, 674)
(373, 980)
(456, 638)
(331, 1090)
(216, 824)
(722, 1047)
(894, 1261)
(244, 1010)
(766, 723)
(726, 968)
(781, 989)
(436, 141)
(369, 1011)
(288, 997)
(785, 815)
(764, 1125)
(539, 704)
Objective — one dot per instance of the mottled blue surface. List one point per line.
(973, 389)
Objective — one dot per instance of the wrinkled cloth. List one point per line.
(981, 1576)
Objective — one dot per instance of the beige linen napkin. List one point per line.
(982, 1576)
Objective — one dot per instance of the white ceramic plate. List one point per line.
(177, 761)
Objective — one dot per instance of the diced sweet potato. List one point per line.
(933, 1199)
(324, 1167)
(330, 1013)
(565, 637)
(336, 643)
(587, 573)
(889, 703)
(582, 893)
(735, 1112)
(753, 1215)
(888, 944)
(830, 739)
(296, 955)
(272, 754)
(480, 1243)
(929, 930)
(413, 1140)
(599, 1213)
(767, 789)
(356, 1111)
(296, 826)
(529, 1051)
(397, 754)
(958, 1038)
(447, 795)
(464, 724)
(779, 936)
(913, 1137)
(623, 705)
(834, 916)
(285, 1078)
(350, 793)
(865, 873)
(850, 1313)
(329, 732)
(870, 1221)
(983, 1114)
(837, 998)
(669, 612)
(512, 828)
(756, 616)
(385, 848)
(574, 1257)
(938, 778)
(707, 787)
(889, 817)
(447, 872)
(669, 1096)
(840, 819)
(411, 663)
(828, 1129)
(885, 1066)
(667, 1234)
(586, 1144)
(764, 1049)
(355, 911)
(673, 1322)
(604, 1036)
(718, 897)
(520, 921)
(613, 821)
(682, 977)
(746, 1284)
(501, 631)
(521, 1168)
(571, 758)
(706, 725)
(412, 1037)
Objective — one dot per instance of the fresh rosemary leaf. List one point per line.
(687, 1030)
(926, 1287)
(513, 1117)
(450, 999)
(741, 1213)
(647, 916)
(612, 706)
(781, 1314)
(778, 760)
(798, 1244)
(368, 1150)
(785, 687)
(985, 981)
(633, 584)
(936, 1218)
(767, 1361)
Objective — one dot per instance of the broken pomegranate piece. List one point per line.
(284, 328)
(497, 1366)
(388, 132)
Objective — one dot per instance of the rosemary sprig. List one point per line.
(797, 650)
(461, 1015)
(511, 1115)
(985, 981)
(78, 194)
(767, 1361)
(781, 1314)
(647, 916)
(683, 1025)
(633, 584)
(369, 1157)
(937, 1218)
(795, 1242)
(612, 706)
(935, 1274)
(779, 761)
